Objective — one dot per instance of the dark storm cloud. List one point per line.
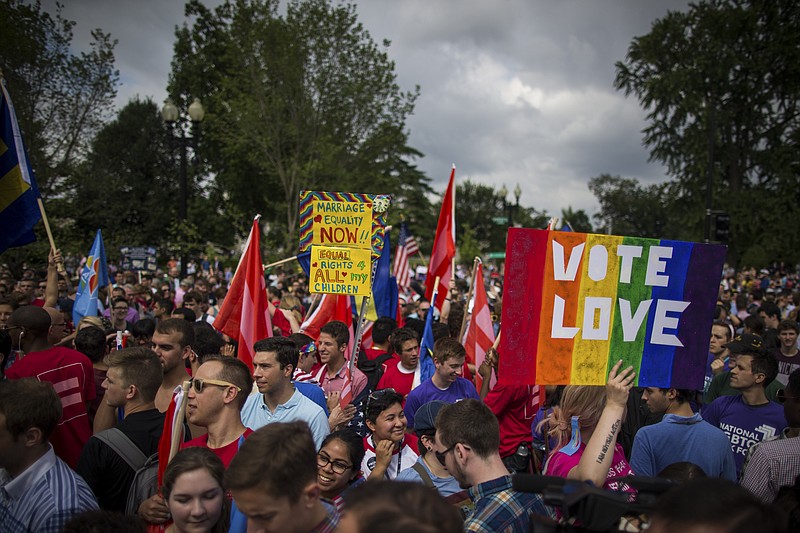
(511, 91)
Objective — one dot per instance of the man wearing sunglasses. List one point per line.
(775, 463)
(468, 445)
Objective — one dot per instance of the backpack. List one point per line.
(145, 478)
(373, 369)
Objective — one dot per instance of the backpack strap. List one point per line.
(426, 478)
(124, 447)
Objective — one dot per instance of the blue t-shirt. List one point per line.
(313, 392)
(427, 392)
(445, 485)
(744, 424)
(682, 438)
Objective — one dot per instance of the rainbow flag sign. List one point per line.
(576, 303)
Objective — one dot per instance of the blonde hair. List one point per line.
(92, 321)
(292, 303)
(584, 401)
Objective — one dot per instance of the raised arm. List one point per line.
(596, 459)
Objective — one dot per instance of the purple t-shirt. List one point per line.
(560, 464)
(427, 392)
(744, 424)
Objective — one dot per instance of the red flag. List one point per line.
(480, 334)
(444, 248)
(244, 315)
(331, 307)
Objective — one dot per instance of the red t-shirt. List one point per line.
(225, 453)
(373, 353)
(280, 321)
(393, 378)
(72, 376)
(514, 407)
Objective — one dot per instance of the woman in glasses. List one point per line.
(586, 425)
(194, 493)
(388, 450)
(339, 465)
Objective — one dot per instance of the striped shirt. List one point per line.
(499, 508)
(44, 497)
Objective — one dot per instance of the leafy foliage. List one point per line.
(306, 100)
(721, 84)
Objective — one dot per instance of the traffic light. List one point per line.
(722, 227)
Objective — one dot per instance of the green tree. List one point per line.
(626, 208)
(578, 220)
(305, 100)
(61, 98)
(720, 83)
(128, 182)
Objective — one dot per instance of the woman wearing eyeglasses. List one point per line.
(339, 465)
(388, 450)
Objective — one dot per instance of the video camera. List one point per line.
(584, 507)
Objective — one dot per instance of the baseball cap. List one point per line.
(745, 342)
(425, 417)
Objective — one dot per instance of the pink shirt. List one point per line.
(336, 383)
(560, 464)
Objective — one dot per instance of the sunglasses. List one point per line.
(378, 394)
(440, 456)
(199, 384)
(782, 397)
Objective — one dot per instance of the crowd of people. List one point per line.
(84, 407)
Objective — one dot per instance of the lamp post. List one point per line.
(175, 120)
(517, 194)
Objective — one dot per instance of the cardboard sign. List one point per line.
(352, 220)
(139, 258)
(577, 303)
(339, 270)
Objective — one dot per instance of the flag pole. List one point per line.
(177, 427)
(475, 263)
(282, 261)
(359, 330)
(60, 264)
(453, 208)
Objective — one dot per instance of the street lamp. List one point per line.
(504, 193)
(517, 194)
(173, 118)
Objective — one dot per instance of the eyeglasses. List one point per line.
(9, 328)
(199, 384)
(120, 308)
(440, 456)
(338, 467)
(782, 397)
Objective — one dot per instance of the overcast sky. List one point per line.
(512, 91)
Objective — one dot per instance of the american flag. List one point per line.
(406, 247)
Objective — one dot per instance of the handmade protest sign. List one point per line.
(339, 270)
(352, 220)
(576, 303)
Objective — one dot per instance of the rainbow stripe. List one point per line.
(307, 220)
(571, 302)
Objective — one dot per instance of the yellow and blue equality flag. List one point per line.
(19, 208)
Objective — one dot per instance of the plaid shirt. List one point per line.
(498, 508)
(331, 520)
(772, 465)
